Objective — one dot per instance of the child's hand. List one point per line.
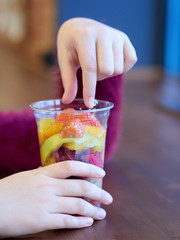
(42, 199)
(101, 51)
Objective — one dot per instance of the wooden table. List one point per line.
(144, 176)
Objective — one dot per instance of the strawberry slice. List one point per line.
(96, 159)
(89, 120)
(63, 117)
(86, 118)
(72, 129)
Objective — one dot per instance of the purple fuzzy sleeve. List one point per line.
(19, 148)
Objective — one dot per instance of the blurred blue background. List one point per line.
(142, 21)
(153, 26)
(172, 37)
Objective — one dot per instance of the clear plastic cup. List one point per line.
(72, 132)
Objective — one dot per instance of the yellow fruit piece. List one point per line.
(88, 141)
(54, 142)
(95, 131)
(48, 127)
(49, 161)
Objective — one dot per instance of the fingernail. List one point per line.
(63, 99)
(100, 172)
(101, 213)
(89, 221)
(91, 102)
(108, 198)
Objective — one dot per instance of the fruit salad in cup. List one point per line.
(72, 136)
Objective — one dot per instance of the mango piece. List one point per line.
(89, 141)
(48, 127)
(95, 131)
(54, 142)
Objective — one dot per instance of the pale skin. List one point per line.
(101, 52)
(43, 198)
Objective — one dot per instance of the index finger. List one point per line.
(88, 63)
(70, 168)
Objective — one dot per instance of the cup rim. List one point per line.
(35, 108)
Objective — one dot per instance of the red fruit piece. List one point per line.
(72, 129)
(89, 120)
(63, 117)
(64, 154)
(96, 159)
(93, 158)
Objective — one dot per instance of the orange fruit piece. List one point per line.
(46, 128)
(72, 129)
(89, 120)
(63, 117)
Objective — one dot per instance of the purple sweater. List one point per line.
(19, 148)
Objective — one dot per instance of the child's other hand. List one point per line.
(43, 199)
(101, 51)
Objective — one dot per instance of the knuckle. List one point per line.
(68, 166)
(86, 33)
(43, 184)
(104, 32)
(78, 223)
(45, 194)
(66, 221)
(132, 59)
(42, 224)
(81, 206)
(89, 30)
(85, 186)
(106, 70)
(90, 66)
(124, 36)
(118, 70)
